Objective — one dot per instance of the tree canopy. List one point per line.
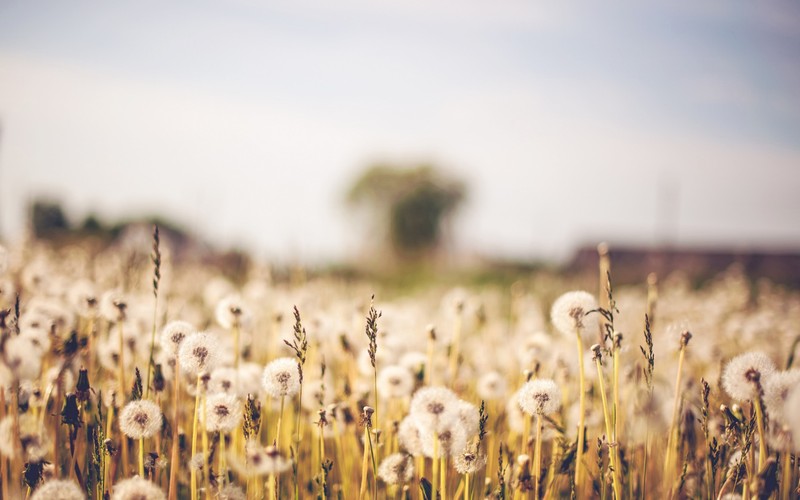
(410, 205)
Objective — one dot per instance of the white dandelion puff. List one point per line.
(408, 436)
(452, 439)
(746, 374)
(396, 468)
(281, 378)
(792, 407)
(223, 412)
(172, 336)
(113, 306)
(140, 419)
(231, 492)
(395, 382)
(230, 312)
(468, 417)
(137, 488)
(434, 408)
(540, 397)
(569, 313)
(23, 358)
(59, 489)
(199, 353)
(776, 389)
(469, 462)
(491, 386)
(223, 381)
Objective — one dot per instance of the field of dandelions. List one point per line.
(130, 376)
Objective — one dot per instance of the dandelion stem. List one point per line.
(141, 457)
(537, 456)
(175, 458)
(786, 475)
(672, 436)
(364, 466)
(280, 423)
(206, 454)
(443, 471)
(194, 439)
(611, 445)
(222, 473)
(581, 415)
(273, 493)
(762, 442)
(434, 475)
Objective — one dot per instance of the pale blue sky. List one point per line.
(247, 119)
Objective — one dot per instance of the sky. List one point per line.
(571, 123)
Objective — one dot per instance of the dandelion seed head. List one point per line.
(469, 462)
(540, 397)
(776, 390)
(231, 492)
(197, 462)
(569, 313)
(408, 436)
(515, 417)
(260, 461)
(452, 438)
(396, 468)
(491, 386)
(792, 407)
(468, 418)
(744, 374)
(35, 441)
(172, 336)
(82, 297)
(250, 379)
(223, 412)
(434, 408)
(140, 419)
(198, 353)
(23, 358)
(39, 339)
(281, 378)
(223, 381)
(230, 311)
(137, 488)
(395, 382)
(58, 489)
(415, 361)
(113, 305)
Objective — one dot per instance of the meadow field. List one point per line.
(127, 374)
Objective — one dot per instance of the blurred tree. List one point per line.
(409, 206)
(48, 219)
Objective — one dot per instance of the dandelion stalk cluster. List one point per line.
(124, 377)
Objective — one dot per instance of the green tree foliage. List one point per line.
(410, 205)
(48, 219)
